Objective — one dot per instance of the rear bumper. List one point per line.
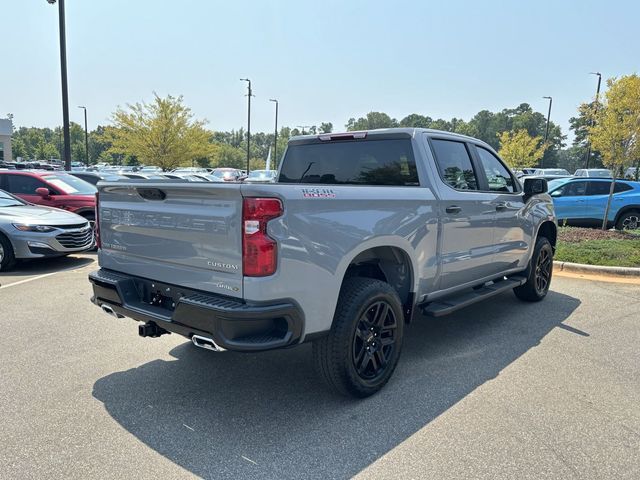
(231, 323)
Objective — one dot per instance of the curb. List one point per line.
(597, 269)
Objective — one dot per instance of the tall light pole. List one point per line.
(65, 90)
(249, 95)
(275, 137)
(595, 111)
(303, 127)
(546, 133)
(86, 135)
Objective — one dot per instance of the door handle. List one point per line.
(453, 209)
(501, 206)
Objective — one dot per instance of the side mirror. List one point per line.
(534, 186)
(43, 192)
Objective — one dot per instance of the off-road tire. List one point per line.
(539, 273)
(361, 302)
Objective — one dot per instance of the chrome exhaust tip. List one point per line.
(107, 309)
(206, 343)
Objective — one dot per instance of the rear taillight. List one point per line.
(259, 250)
(96, 227)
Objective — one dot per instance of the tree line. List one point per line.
(164, 132)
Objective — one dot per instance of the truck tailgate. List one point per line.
(177, 233)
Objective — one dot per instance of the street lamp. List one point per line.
(595, 111)
(303, 127)
(86, 135)
(275, 141)
(249, 95)
(65, 90)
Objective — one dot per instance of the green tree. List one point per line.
(520, 150)
(580, 126)
(371, 121)
(225, 155)
(326, 127)
(616, 134)
(416, 121)
(162, 133)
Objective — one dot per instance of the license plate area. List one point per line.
(158, 294)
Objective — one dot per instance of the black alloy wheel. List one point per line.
(374, 340)
(543, 271)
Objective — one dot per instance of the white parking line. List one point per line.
(27, 280)
(38, 277)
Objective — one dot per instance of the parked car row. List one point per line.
(192, 174)
(31, 231)
(630, 173)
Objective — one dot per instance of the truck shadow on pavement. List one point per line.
(235, 415)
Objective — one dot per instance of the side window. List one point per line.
(573, 189)
(454, 164)
(499, 178)
(621, 187)
(598, 188)
(23, 185)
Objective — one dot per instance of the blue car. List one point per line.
(581, 202)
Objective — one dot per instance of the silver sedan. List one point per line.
(30, 231)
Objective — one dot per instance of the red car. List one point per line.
(51, 189)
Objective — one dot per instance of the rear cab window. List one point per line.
(454, 164)
(368, 161)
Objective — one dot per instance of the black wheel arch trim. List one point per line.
(553, 240)
(624, 210)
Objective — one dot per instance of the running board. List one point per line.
(449, 305)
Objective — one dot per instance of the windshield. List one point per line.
(70, 185)
(8, 200)
(553, 184)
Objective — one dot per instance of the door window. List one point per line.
(571, 189)
(598, 188)
(454, 164)
(24, 185)
(499, 178)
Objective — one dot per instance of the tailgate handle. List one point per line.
(151, 194)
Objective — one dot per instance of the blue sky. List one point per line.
(324, 61)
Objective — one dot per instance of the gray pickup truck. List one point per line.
(360, 230)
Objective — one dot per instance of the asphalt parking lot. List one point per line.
(501, 390)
